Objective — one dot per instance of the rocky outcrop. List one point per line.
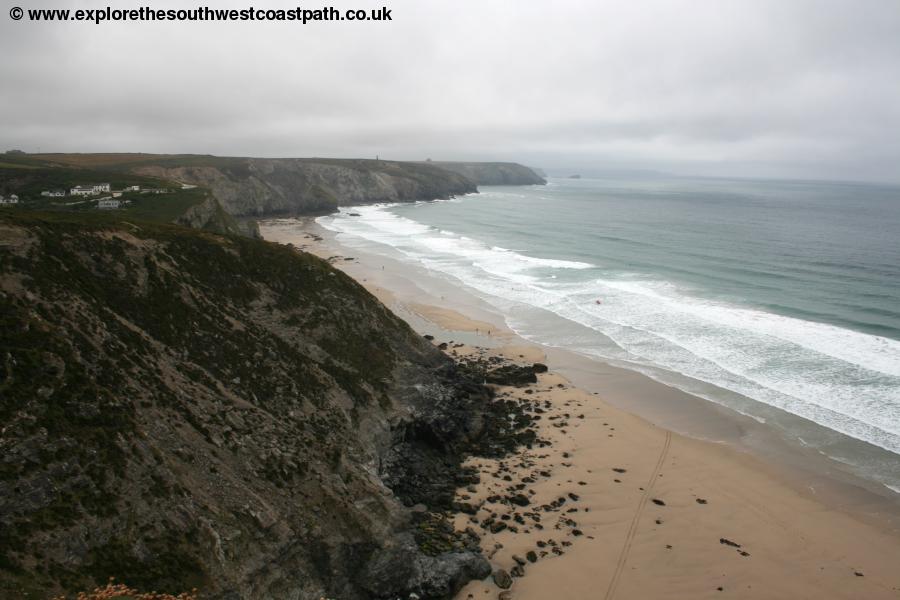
(503, 373)
(210, 216)
(266, 187)
(493, 173)
(181, 409)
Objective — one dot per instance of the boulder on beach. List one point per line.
(502, 579)
(511, 375)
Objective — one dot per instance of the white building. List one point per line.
(54, 193)
(106, 203)
(89, 190)
(5, 201)
(132, 188)
(82, 190)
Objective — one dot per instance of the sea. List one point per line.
(779, 300)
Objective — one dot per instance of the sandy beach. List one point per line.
(617, 506)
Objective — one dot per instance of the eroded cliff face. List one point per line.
(493, 173)
(265, 187)
(210, 216)
(183, 409)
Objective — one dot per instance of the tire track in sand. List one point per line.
(632, 529)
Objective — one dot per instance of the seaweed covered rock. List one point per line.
(505, 373)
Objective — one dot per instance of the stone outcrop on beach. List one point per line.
(502, 373)
(493, 173)
(289, 186)
(182, 409)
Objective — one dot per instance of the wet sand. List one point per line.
(620, 507)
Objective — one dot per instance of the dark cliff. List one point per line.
(185, 409)
(283, 186)
(493, 173)
(247, 188)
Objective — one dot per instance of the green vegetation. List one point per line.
(162, 207)
(28, 181)
(28, 176)
(127, 345)
(172, 566)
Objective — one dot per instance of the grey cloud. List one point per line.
(744, 87)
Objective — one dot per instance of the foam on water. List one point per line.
(845, 380)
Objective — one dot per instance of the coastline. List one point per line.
(806, 526)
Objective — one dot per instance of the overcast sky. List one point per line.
(781, 88)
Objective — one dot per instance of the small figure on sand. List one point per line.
(598, 301)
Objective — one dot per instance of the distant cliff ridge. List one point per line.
(254, 187)
(493, 173)
(263, 186)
